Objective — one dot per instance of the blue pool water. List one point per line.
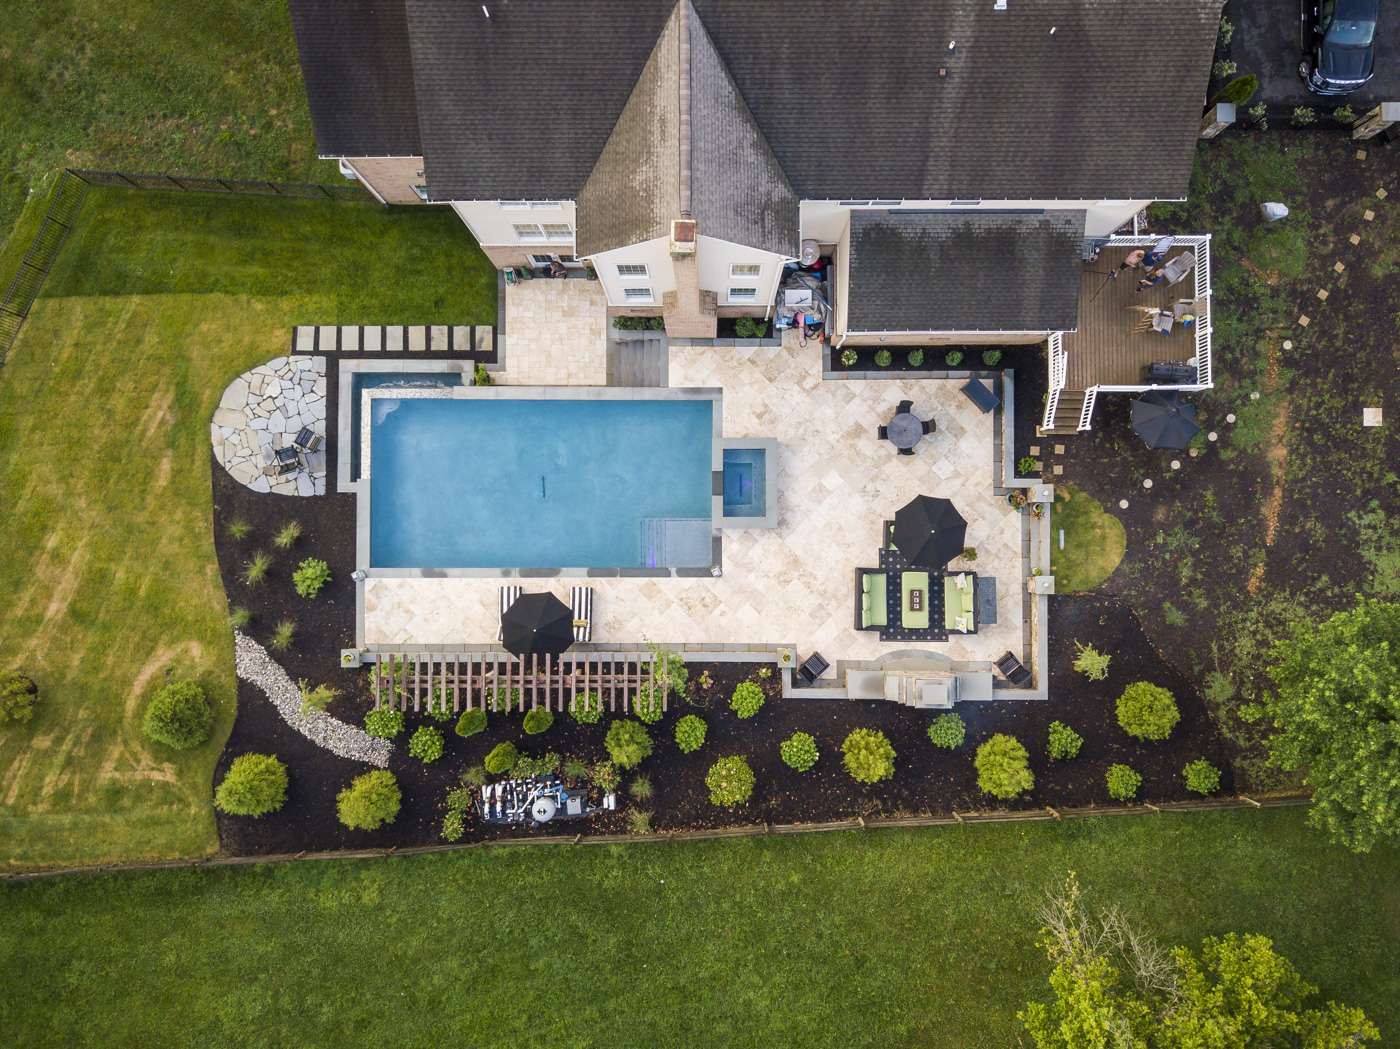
(744, 482)
(368, 380)
(503, 483)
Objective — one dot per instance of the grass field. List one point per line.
(142, 85)
(157, 301)
(879, 938)
(1094, 542)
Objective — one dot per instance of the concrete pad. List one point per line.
(326, 338)
(393, 339)
(417, 338)
(437, 338)
(349, 339)
(372, 339)
(305, 340)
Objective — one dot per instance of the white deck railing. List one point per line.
(1058, 368)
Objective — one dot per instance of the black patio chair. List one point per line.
(307, 439)
(1013, 669)
(904, 406)
(906, 451)
(929, 426)
(882, 432)
(288, 456)
(814, 667)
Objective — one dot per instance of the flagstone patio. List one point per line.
(794, 584)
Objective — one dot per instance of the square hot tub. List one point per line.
(745, 483)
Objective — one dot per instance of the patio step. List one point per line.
(393, 338)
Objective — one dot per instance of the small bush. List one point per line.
(473, 776)
(1223, 68)
(283, 634)
(370, 801)
(1090, 662)
(747, 699)
(316, 698)
(671, 668)
(916, 358)
(1259, 116)
(502, 758)
(953, 358)
(1303, 116)
(287, 535)
(991, 358)
(18, 695)
(384, 723)
(646, 704)
(439, 706)
(1003, 767)
(1225, 33)
(849, 358)
(799, 751)
(730, 781)
(575, 770)
(537, 721)
(425, 744)
(883, 358)
(311, 575)
(587, 708)
(547, 764)
(1344, 115)
(1027, 465)
(750, 327)
(471, 722)
(459, 799)
(1123, 782)
(627, 743)
(969, 553)
(1240, 90)
(481, 377)
(605, 776)
(638, 821)
(1219, 687)
(690, 733)
(238, 529)
(947, 731)
(178, 716)
(1172, 615)
(254, 785)
(640, 788)
(255, 568)
(1201, 777)
(239, 618)
(454, 825)
(868, 755)
(1147, 711)
(504, 700)
(1064, 742)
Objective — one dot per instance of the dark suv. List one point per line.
(1338, 44)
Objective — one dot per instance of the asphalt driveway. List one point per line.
(1268, 43)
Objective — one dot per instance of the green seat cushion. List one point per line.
(872, 600)
(958, 602)
(909, 581)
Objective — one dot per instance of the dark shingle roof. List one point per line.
(964, 271)
(358, 71)
(686, 142)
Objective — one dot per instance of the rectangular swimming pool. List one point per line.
(499, 482)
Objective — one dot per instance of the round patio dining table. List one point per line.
(905, 430)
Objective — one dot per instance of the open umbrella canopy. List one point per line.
(1163, 420)
(537, 623)
(929, 531)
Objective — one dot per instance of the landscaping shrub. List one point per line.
(646, 704)
(238, 529)
(575, 770)
(18, 694)
(1147, 711)
(471, 722)
(239, 618)
(849, 358)
(454, 825)
(883, 358)
(638, 821)
(311, 575)
(254, 785)
(1064, 742)
(1304, 116)
(287, 535)
(640, 788)
(1344, 115)
(537, 721)
(255, 568)
(953, 358)
(991, 358)
(671, 668)
(425, 744)
(283, 634)
(639, 323)
(439, 706)
(969, 553)
(384, 722)
(868, 755)
(481, 377)
(1003, 767)
(587, 708)
(747, 699)
(605, 776)
(316, 698)
(730, 781)
(178, 716)
(473, 776)
(1027, 465)
(1222, 68)
(504, 700)
(502, 758)
(547, 764)
(627, 743)
(1240, 90)
(1259, 115)
(1225, 33)
(750, 327)
(947, 731)
(690, 733)
(1123, 782)
(799, 751)
(370, 801)
(916, 358)
(1201, 777)
(1090, 662)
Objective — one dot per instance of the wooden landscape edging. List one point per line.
(747, 831)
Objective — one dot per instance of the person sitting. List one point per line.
(557, 268)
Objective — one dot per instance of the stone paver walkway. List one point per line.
(264, 409)
(556, 334)
(793, 584)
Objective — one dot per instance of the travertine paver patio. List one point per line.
(795, 583)
(556, 334)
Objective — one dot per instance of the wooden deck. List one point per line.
(1115, 340)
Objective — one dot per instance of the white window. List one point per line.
(422, 192)
(541, 260)
(528, 205)
(743, 294)
(558, 231)
(543, 231)
(745, 269)
(637, 294)
(632, 271)
(528, 231)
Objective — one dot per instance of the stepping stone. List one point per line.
(349, 339)
(325, 338)
(1035, 449)
(1230, 417)
(1254, 396)
(1304, 321)
(1057, 470)
(393, 339)
(1176, 464)
(1059, 449)
(1122, 504)
(1338, 267)
(1381, 194)
(1355, 239)
(1322, 294)
(1368, 215)
(305, 341)
(461, 335)
(1370, 416)
(417, 338)
(1288, 344)
(1147, 482)
(372, 339)
(1212, 436)
(485, 336)
(1360, 154)
(437, 338)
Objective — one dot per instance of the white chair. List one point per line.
(582, 603)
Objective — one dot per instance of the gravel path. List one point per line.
(252, 663)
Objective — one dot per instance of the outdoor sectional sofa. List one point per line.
(960, 602)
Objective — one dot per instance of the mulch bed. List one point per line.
(935, 358)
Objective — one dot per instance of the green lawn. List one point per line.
(144, 85)
(1094, 541)
(876, 938)
(157, 301)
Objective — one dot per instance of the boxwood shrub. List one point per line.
(1147, 711)
(384, 722)
(730, 781)
(425, 744)
(1003, 767)
(254, 785)
(690, 733)
(178, 716)
(799, 751)
(1123, 782)
(471, 722)
(1201, 777)
(947, 731)
(370, 801)
(502, 758)
(647, 704)
(747, 699)
(1064, 742)
(868, 755)
(537, 721)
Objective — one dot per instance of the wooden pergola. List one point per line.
(470, 679)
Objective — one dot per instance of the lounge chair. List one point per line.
(871, 609)
(508, 596)
(307, 439)
(582, 604)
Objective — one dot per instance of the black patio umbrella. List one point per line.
(537, 623)
(929, 531)
(1163, 420)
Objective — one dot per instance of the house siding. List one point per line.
(391, 178)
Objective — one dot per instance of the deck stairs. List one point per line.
(1067, 413)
